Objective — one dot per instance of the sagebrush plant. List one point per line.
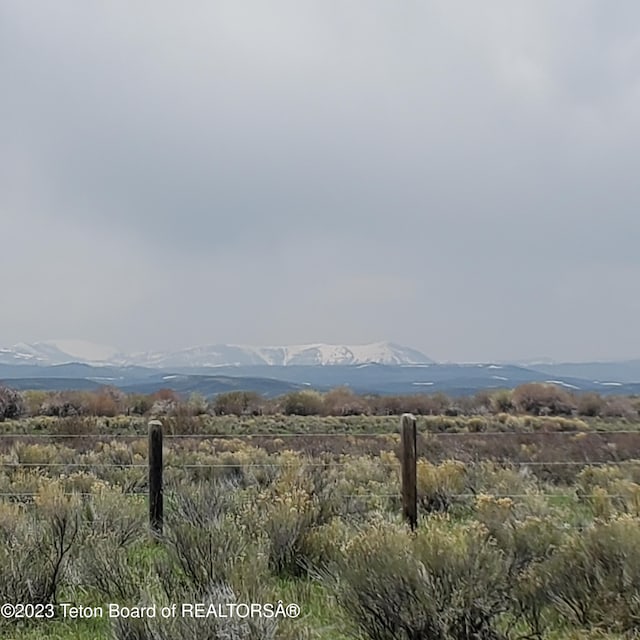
(497, 479)
(105, 567)
(209, 547)
(610, 490)
(76, 425)
(110, 513)
(438, 485)
(528, 532)
(285, 519)
(594, 578)
(446, 581)
(324, 544)
(19, 481)
(517, 555)
(25, 564)
(629, 496)
(44, 454)
(368, 475)
(200, 628)
(203, 503)
(36, 549)
(287, 512)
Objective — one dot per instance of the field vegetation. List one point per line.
(529, 515)
(532, 399)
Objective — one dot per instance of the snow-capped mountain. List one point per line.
(61, 352)
(51, 352)
(309, 354)
(39, 353)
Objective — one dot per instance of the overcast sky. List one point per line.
(459, 177)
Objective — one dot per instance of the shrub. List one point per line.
(201, 504)
(112, 515)
(324, 543)
(33, 401)
(438, 484)
(138, 404)
(447, 582)
(64, 404)
(165, 402)
(502, 401)
(202, 557)
(528, 534)
(76, 425)
(619, 407)
(542, 399)
(237, 403)
(35, 549)
(108, 401)
(180, 421)
(289, 511)
(526, 531)
(343, 402)
(203, 628)
(494, 478)
(594, 579)
(386, 405)
(103, 564)
(303, 403)
(610, 489)
(11, 404)
(590, 404)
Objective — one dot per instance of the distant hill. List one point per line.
(270, 380)
(214, 385)
(206, 385)
(101, 374)
(51, 384)
(613, 372)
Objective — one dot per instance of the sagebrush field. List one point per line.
(519, 536)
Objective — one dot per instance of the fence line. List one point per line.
(321, 465)
(407, 463)
(300, 434)
(370, 496)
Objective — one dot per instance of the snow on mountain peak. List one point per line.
(52, 352)
(335, 354)
(217, 355)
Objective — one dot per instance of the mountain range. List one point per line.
(217, 355)
(382, 368)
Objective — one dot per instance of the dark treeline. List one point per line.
(531, 398)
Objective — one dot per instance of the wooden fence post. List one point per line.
(155, 477)
(409, 470)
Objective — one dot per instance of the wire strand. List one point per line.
(304, 464)
(437, 434)
(368, 496)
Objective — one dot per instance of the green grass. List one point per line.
(63, 629)
(318, 612)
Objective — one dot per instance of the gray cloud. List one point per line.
(456, 176)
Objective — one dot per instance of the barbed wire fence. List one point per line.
(406, 463)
